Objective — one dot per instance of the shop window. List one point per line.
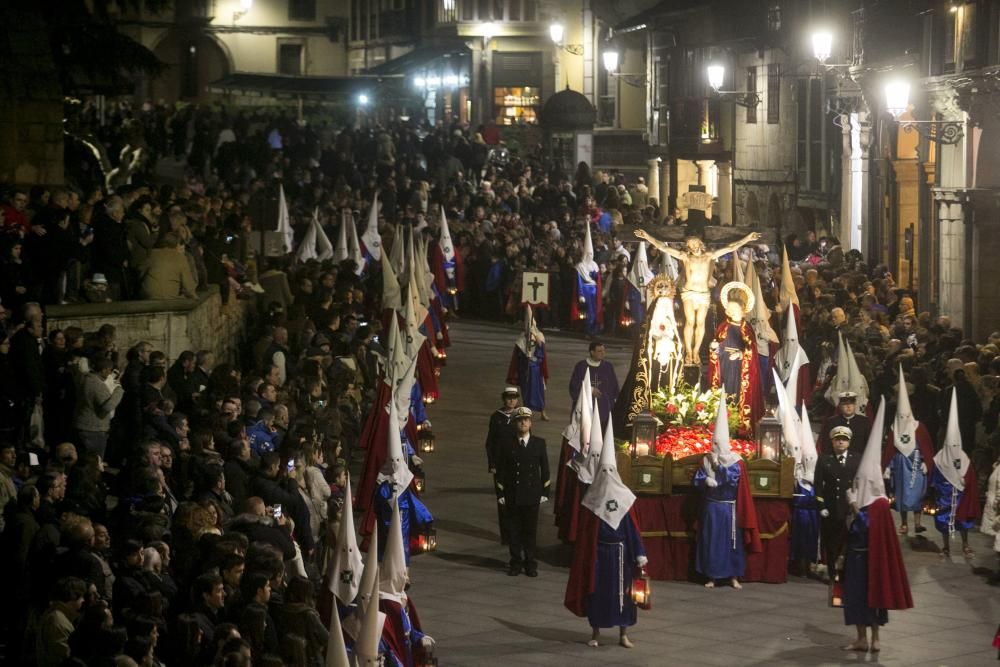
(301, 10)
(517, 104)
(290, 59)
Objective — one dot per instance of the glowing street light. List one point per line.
(557, 31)
(822, 43)
(610, 60)
(489, 30)
(716, 76)
(897, 97)
(363, 99)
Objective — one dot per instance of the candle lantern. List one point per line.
(625, 321)
(425, 441)
(427, 539)
(769, 439)
(425, 658)
(642, 592)
(644, 426)
(430, 398)
(419, 480)
(930, 507)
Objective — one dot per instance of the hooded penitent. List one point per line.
(336, 648)
(341, 252)
(608, 497)
(904, 425)
(590, 465)
(396, 469)
(759, 317)
(371, 239)
(530, 335)
(577, 433)
(805, 471)
(791, 426)
(346, 565)
(849, 377)
(640, 274)
(587, 265)
(788, 296)
(392, 571)
(720, 441)
(372, 621)
(397, 254)
(790, 348)
(952, 461)
(869, 484)
(392, 294)
(284, 220)
(368, 586)
(353, 246)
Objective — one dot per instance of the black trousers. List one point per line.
(522, 531)
(832, 531)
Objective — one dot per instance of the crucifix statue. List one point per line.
(696, 293)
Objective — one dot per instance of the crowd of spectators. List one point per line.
(180, 556)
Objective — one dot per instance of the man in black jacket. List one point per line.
(522, 484)
(834, 476)
(501, 434)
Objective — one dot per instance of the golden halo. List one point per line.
(747, 292)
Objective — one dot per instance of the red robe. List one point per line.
(751, 404)
(969, 508)
(923, 443)
(425, 372)
(513, 368)
(440, 277)
(377, 428)
(746, 513)
(888, 585)
(582, 572)
(393, 633)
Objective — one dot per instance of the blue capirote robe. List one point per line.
(411, 512)
(719, 552)
(909, 483)
(611, 605)
(805, 524)
(529, 375)
(943, 499)
(855, 585)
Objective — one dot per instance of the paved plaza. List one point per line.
(480, 616)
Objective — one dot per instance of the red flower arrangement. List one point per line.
(681, 441)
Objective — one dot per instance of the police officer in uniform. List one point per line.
(522, 484)
(501, 434)
(835, 473)
(847, 415)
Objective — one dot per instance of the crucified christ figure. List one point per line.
(696, 295)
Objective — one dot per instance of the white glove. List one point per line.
(641, 561)
(923, 468)
(417, 461)
(427, 424)
(887, 474)
(501, 501)
(427, 641)
(824, 513)
(543, 499)
(711, 481)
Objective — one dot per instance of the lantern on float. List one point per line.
(644, 427)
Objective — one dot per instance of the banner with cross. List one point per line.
(535, 289)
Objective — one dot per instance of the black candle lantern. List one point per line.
(426, 441)
(642, 592)
(644, 427)
(427, 539)
(419, 480)
(770, 441)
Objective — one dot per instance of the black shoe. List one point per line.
(513, 571)
(531, 572)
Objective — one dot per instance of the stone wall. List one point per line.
(31, 103)
(172, 326)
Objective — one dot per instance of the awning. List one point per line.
(419, 57)
(282, 85)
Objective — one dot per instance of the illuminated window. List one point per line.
(517, 104)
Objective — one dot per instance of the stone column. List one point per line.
(704, 169)
(952, 288)
(664, 192)
(846, 181)
(653, 177)
(860, 227)
(725, 192)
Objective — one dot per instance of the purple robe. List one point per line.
(602, 377)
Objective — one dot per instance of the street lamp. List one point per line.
(556, 32)
(363, 99)
(897, 97)
(610, 60)
(489, 30)
(822, 43)
(716, 76)
(245, 6)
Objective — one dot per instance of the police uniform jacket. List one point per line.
(501, 432)
(859, 426)
(833, 479)
(522, 471)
